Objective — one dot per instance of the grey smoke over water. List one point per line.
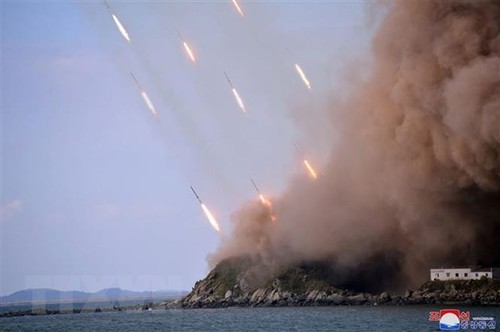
(414, 181)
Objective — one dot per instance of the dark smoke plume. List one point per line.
(414, 182)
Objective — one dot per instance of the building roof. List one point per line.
(472, 268)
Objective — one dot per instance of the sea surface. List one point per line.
(405, 318)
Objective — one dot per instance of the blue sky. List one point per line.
(95, 191)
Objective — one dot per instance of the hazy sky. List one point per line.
(95, 191)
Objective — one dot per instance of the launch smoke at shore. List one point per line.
(413, 174)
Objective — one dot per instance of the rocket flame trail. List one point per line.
(209, 215)
(235, 93)
(186, 46)
(267, 203)
(264, 201)
(303, 76)
(237, 7)
(148, 103)
(311, 170)
(261, 197)
(188, 51)
(238, 100)
(211, 218)
(121, 28)
(144, 96)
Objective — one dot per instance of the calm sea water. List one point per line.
(409, 318)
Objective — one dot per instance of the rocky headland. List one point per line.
(230, 284)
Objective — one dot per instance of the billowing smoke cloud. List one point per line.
(414, 181)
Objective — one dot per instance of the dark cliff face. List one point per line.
(246, 282)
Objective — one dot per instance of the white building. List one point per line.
(464, 273)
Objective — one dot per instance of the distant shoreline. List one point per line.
(50, 301)
(41, 311)
(176, 305)
(69, 301)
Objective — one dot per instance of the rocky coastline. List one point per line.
(449, 293)
(227, 286)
